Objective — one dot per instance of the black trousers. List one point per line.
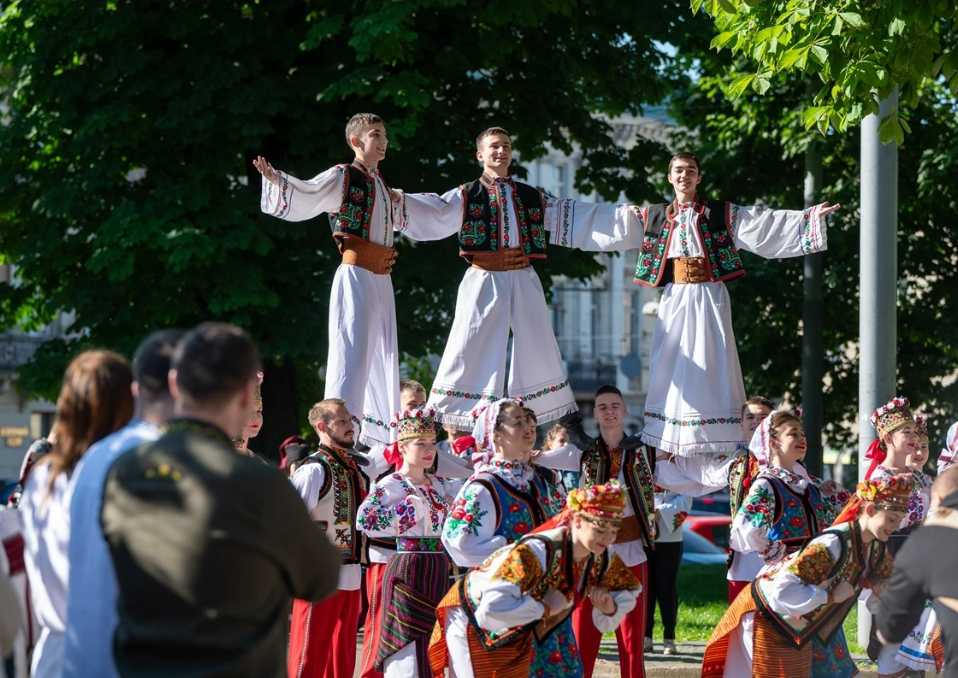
(663, 573)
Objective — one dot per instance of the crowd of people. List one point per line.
(157, 543)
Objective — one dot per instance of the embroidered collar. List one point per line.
(517, 473)
(366, 170)
(796, 477)
(341, 456)
(490, 181)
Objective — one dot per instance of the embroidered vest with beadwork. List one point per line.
(343, 491)
(517, 512)
(713, 224)
(741, 473)
(856, 564)
(798, 517)
(356, 211)
(600, 465)
(480, 230)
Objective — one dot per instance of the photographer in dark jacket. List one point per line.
(925, 569)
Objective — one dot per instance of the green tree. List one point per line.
(126, 191)
(859, 50)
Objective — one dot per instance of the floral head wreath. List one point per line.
(409, 425)
(921, 425)
(259, 387)
(888, 493)
(892, 416)
(605, 502)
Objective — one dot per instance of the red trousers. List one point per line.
(630, 634)
(373, 625)
(322, 637)
(734, 587)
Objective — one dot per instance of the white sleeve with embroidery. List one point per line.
(297, 200)
(670, 505)
(390, 510)
(693, 476)
(308, 480)
(469, 533)
(428, 216)
(753, 521)
(593, 227)
(565, 458)
(502, 604)
(777, 234)
(376, 458)
(788, 595)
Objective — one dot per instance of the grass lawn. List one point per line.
(703, 599)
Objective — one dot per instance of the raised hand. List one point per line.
(263, 167)
(828, 209)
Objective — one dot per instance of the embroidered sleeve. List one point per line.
(754, 520)
(619, 577)
(388, 510)
(297, 200)
(520, 567)
(428, 216)
(469, 532)
(777, 234)
(467, 514)
(813, 564)
(592, 227)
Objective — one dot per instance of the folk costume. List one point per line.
(632, 465)
(696, 392)
(363, 363)
(742, 567)
(671, 510)
(505, 226)
(784, 509)
(785, 624)
(322, 641)
(490, 621)
(418, 575)
(500, 503)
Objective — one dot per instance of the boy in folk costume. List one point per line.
(691, 247)
(788, 622)
(744, 468)
(504, 226)
(409, 506)
(488, 621)
(505, 499)
(363, 363)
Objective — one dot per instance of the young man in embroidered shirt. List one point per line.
(691, 247)
(363, 363)
(504, 226)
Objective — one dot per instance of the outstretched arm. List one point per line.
(286, 197)
(593, 227)
(429, 216)
(777, 234)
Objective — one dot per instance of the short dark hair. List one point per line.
(608, 388)
(758, 400)
(488, 132)
(691, 157)
(151, 363)
(214, 361)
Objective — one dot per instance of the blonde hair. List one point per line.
(324, 410)
(358, 124)
(553, 433)
(411, 385)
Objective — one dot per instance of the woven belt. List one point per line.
(374, 257)
(418, 545)
(690, 270)
(511, 259)
(629, 530)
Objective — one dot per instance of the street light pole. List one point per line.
(877, 319)
(813, 316)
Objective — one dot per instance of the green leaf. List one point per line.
(820, 54)
(812, 114)
(853, 19)
(791, 57)
(727, 6)
(696, 6)
(837, 29)
(720, 40)
(740, 84)
(761, 84)
(896, 27)
(890, 130)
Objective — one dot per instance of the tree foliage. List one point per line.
(126, 191)
(859, 51)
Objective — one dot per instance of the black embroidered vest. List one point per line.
(714, 228)
(480, 230)
(356, 211)
(349, 487)
(638, 470)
